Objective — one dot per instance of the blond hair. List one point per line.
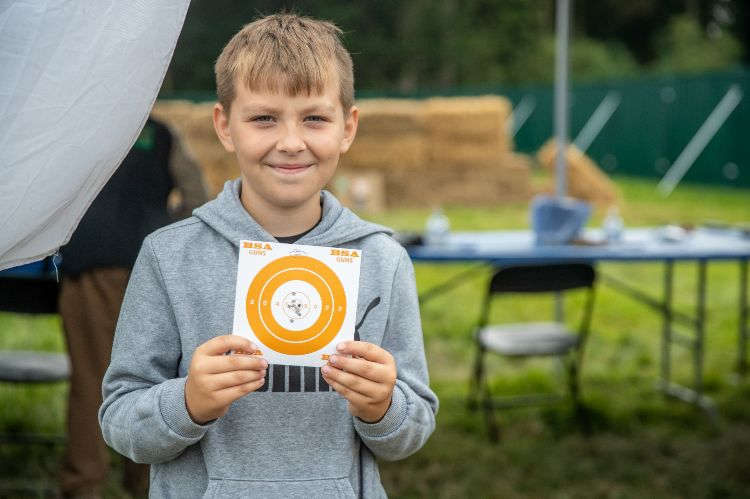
(285, 53)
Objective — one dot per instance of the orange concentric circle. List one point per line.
(332, 305)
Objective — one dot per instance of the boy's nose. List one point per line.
(291, 141)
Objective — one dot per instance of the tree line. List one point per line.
(423, 45)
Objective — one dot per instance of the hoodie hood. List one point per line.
(338, 225)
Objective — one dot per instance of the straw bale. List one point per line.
(389, 117)
(465, 131)
(585, 180)
(395, 152)
(386, 153)
(194, 122)
(465, 152)
(362, 191)
(479, 118)
(503, 180)
(188, 118)
(222, 169)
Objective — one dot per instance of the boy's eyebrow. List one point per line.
(263, 109)
(319, 108)
(257, 108)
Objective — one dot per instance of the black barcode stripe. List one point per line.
(264, 386)
(283, 378)
(322, 385)
(310, 379)
(279, 378)
(295, 378)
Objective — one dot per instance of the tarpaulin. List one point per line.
(77, 81)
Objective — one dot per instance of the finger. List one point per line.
(352, 382)
(225, 363)
(229, 395)
(219, 345)
(366, 350)
(353, 397)
(379, 373)
(219, 382)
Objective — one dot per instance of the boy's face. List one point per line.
(287, 147)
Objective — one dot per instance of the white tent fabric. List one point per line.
(77, 81)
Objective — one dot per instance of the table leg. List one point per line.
(695, 343)
(700, 328)
(743, 328)
(690, 395)
(666, 331)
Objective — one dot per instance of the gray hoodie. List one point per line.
(295, 438)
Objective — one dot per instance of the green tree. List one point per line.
(589, 60)
(424, 45)
(685, 47)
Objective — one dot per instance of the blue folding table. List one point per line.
(664, 244)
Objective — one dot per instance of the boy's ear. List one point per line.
(350, 129)
(221, 125)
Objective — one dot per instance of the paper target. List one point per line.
(296, 302)
(296, 305)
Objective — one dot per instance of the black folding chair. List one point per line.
(531, 339)
(30, 294)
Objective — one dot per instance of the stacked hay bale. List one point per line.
(439, 151)
(194, 122)
(467, 130)
(470, 158)
(390, 146)
(363, 192)
(407, 152)
(585, 180)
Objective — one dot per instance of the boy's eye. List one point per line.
(315, 118)
(262, 119)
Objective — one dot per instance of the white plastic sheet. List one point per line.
(77, 81)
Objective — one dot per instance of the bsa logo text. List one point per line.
(344, 255)
(256, 248)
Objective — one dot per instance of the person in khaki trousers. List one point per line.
(95, 267)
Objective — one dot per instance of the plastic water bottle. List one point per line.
(613, 225)
(437, 228)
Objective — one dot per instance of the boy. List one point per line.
(216, 425)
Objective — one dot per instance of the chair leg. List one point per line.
(475, 382)
(493, 429)
(480, 396)
(581, 413)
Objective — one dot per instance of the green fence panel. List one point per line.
(654, 122)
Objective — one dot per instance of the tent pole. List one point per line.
(562, 28)
(562, 119)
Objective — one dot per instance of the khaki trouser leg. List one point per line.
(89, 306)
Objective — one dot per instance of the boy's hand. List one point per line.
(215, 380)
(366, 379)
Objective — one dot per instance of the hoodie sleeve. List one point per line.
(411, 418)
(144, 416)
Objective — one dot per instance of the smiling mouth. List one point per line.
(290, 168)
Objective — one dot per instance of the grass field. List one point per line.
(643, 445)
